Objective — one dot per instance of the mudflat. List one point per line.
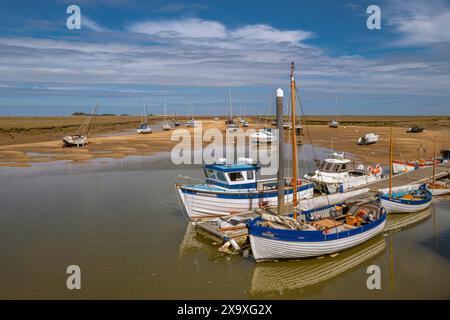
(28, 140)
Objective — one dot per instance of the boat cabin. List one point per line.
(232, 176)
(334, 165)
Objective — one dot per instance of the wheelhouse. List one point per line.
(232, 176)
(334, 166)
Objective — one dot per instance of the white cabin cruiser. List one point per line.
(233, 188)
(369, 138)
(338, 174)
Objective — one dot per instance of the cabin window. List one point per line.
(336, 168)
(344, 167)
(250, 175)
(236, 176)
(328, 167)
(221, 176)
(210, 174)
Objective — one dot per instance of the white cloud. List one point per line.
(420, 23)
(91, 24)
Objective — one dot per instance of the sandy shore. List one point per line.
(114, 140)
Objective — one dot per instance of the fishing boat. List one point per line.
(233, 188)
(144, 127)
(166, 126)
(368, 138)
(265, 135)
(81, 137)
(314, 232)
(338, 174)
(403, 199)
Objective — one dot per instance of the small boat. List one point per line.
(333, 124)
(176, 123)
(405, 166)
(287, 125)
(316, 232)
(404, 199)
(274, 122)
(414, 130)
(337, 174)
(438, 187)
(144, 127)
(81, 138)
(369, 138)
(245, 124)
(216, 119)
(265, 135)
(234, 188)
(166, 126)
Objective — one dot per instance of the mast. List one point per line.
(294, 144)
(280, 176)
(390, 165)
(434, 159)
(230, 112)
(165, 111)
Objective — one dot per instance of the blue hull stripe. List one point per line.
(428, 197)
(307, 236)
(243, 195)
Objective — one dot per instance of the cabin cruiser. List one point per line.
(234, 188)
(265, 135)
(369, 138)
(337, 174)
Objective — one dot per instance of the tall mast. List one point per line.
(390, 165)
(434, 159)
(294, 144)
(165, 110)
(280, 175)
(230, 112)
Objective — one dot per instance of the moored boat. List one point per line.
(405, 166)
(404, 199)
(265, 135)
(367, 139)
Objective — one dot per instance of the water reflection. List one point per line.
(276, 277)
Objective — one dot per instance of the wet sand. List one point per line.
(113, 139)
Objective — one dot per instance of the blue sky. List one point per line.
(193, 52)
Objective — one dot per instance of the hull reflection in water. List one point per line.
(401, 221)
(276, 277)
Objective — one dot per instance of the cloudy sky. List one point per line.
(192, 53)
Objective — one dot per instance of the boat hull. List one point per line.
(342, 185)
(203, 204)
(395, 205)
(265, 249)
(399, 166)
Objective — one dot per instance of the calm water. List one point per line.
(121, 223)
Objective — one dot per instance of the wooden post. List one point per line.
(294, 144)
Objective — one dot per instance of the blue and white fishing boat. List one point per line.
(405, 199)
(234, 188)
(315, 232)
(318, 228)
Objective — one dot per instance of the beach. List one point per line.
(28, 140)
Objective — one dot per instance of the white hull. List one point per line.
(269, 249)
(396, 207)
(345, 184)
(143, 131)
(439, 191)
(197, 206)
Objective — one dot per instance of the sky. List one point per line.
(192, 54)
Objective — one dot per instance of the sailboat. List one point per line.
(319, 231)
(409, 198)
(166, 126)
(81, 138)
(144, 127)
(334, 123)
(191, 121)
(231, 125)
(438, 187)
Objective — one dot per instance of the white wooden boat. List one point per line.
(405, 166)
(336, 174)
(233, 188)
(439, 187)
(404, 199)
(265, 135)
